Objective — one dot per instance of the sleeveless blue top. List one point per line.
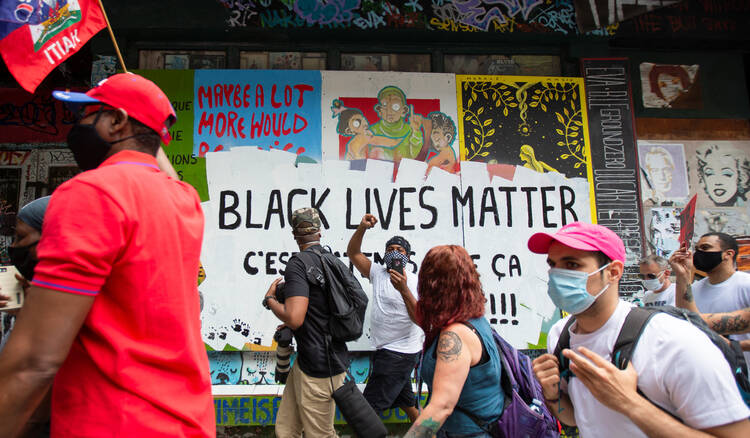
(481, 394)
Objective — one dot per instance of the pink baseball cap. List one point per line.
(583, 236)
(140, 98)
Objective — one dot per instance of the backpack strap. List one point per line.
(630, 333)
(563, 342)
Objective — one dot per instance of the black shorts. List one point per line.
(389, 385)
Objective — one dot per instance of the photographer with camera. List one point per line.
(284, 348)
(394, 335)
(307, 403)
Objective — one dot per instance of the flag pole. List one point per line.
(111, 34)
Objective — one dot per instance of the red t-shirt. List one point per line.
(130, 236)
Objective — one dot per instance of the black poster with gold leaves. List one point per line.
(531, 121)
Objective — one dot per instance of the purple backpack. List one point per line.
(524, 412)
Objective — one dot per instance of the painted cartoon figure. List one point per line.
(724, 175)
(442, 136)
(352, 123)
(394, 112)
(226, 367)
(530, 162)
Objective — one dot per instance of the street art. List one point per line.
(536, 122)
(593, 14)
(732, 221)
(390, 116)
(724, 174)
(664, 231)
(268, 109)
(664, 179)
(247, 239)
(504, 16)
(671, 86)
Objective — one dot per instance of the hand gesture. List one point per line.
(398, 281)
(3, 300)
(681, 262)
(415, 120)
(547, 372)
(614, 388)
(368, 221)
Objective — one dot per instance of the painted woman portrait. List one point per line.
(724, 175)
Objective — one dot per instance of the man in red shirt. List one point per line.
(113, 312)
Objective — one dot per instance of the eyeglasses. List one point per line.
(649, 276)
(83, 110)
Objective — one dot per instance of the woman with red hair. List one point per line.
(461, 363)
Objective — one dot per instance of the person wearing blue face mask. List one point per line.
(395, 336)
(673, 385)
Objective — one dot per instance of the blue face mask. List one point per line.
(567, 289)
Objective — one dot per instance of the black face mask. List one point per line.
(706, 261)
(22, 259)
(88, 147)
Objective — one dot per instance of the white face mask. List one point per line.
(653, 283)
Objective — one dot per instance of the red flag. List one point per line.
(687, 221)
(38, 35)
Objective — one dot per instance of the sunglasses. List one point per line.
(83, 110)
(649, 276)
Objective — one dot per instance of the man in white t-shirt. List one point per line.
(722, 291)
(674, 364)
(655, 279)
(397, 340)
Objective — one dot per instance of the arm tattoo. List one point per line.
(449, 346)
(728, 324)
(688, 293)
(426, 428)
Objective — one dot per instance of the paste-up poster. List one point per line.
(390, 116)
(663, 170)
(671, 86)
(263, 108)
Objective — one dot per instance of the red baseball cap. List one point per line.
(142, 99)
(583, 236)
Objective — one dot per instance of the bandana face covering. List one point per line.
(395, 260)
(567, 289)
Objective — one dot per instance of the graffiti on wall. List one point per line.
(503, 16)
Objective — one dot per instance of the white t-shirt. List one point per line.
(663, 298)
(729, 295)
(678, 368)
(390, 325)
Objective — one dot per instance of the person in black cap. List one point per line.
(397, 340)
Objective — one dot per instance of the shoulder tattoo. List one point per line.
(449, 346)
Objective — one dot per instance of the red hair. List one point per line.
(449, 290)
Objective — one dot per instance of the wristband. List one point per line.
(265, 301)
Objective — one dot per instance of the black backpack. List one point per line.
(631, 331)
(346, 299)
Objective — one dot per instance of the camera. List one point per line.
(284, 349)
